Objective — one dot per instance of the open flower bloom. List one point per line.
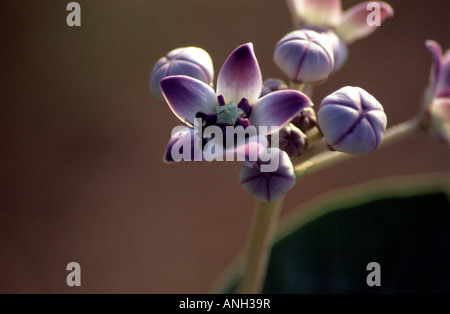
(437, 97)
(357, 22)
(236, 102)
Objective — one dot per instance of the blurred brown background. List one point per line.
(82, 139)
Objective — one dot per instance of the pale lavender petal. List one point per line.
(277, 109)
(320, 13)
(436, 52)
(439, 115)
(355, 21)
(268, 186)
(240, 76)
(248, 149)
(186, 96)
(443, 87)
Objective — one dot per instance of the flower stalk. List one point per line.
(264, 226)
(319, 157)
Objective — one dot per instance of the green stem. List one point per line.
(318, 157)
(263, 230)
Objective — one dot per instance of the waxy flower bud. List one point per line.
(190, 61)
(268, 186)
(305, 56)
(352, 121)
(305, 120)
(292, 140)
(340, 50)
(272, 85)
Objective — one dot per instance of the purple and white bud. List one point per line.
(190, 61)
(352, 121)
(305, 120)
(292, 140)
(305, 56)
(340, 50)
(268, 186)
(272, 85)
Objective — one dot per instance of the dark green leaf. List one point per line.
(406, 233)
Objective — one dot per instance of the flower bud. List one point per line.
(268, 186)
(190, 61)
(292, 140)
(272, 85)
(340, 50)
(305, 56)
(305, 120)
(352, 121)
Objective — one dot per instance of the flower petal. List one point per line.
(268, 186)
(277, 109)
(440, 120)
(361, 20)
(247, 150)
(240, 76)
(436, 52)
(183, 138)
(443, 87)
(320, 13)
(186, 96)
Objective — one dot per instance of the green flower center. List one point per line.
(228, 114)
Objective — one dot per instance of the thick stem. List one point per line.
(263, 230)
(320, 158)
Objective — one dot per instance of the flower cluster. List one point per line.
(284, 120)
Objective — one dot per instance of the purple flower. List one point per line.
(190, 61)
(437, 97)
(305, 56)
(268, 186)
(349, 25)
(236, 101)
(352, 121)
